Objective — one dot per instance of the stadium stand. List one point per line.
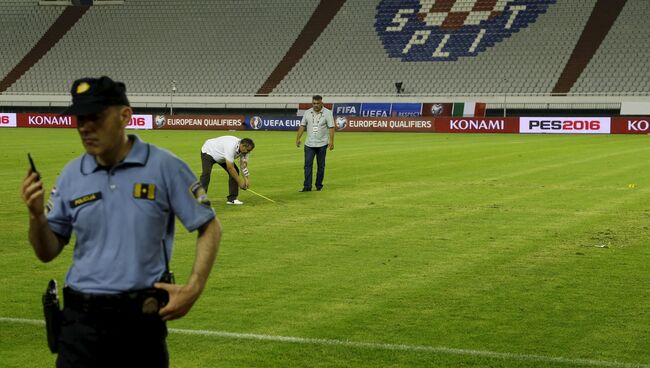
(231, 48)
(529, 62)
(620, 64)
(23, 24)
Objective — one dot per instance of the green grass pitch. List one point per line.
(423, 250)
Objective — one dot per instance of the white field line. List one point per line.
(381, 346)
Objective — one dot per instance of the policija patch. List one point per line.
(199, 194)
(144, 191)
(86, 199)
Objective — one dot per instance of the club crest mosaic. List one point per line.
(444, 30)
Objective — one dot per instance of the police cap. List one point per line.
(93, 95)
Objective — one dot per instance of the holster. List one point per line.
(53, 316)
(168, 277)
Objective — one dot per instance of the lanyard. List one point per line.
(314, 114)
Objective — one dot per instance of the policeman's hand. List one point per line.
(32, 193)
(181, 300)
(331, 146)
(297, 142)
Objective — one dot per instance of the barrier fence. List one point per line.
(424, 124)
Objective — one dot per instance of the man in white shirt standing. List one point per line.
(223, 151)
(319, 124)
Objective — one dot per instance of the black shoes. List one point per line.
(309, 189)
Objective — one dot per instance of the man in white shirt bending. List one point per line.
(223, 151)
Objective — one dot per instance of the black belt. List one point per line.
(145, 301)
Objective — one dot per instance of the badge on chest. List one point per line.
(144, 191)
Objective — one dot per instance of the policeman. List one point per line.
(120, 199)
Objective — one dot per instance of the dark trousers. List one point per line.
(319, 153)
(107, 339)
(206, 171)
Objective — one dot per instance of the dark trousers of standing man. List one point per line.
(206, 171)
(110, 332)
(319, 153)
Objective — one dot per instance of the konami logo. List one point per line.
(476, 125)
(50, 120)
(638, 125)
(479, 124)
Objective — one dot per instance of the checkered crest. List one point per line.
(444, 30)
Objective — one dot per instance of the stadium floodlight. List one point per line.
(506, 83)
(171, 98)
(398, 87)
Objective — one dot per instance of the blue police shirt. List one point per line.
(121, 216)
